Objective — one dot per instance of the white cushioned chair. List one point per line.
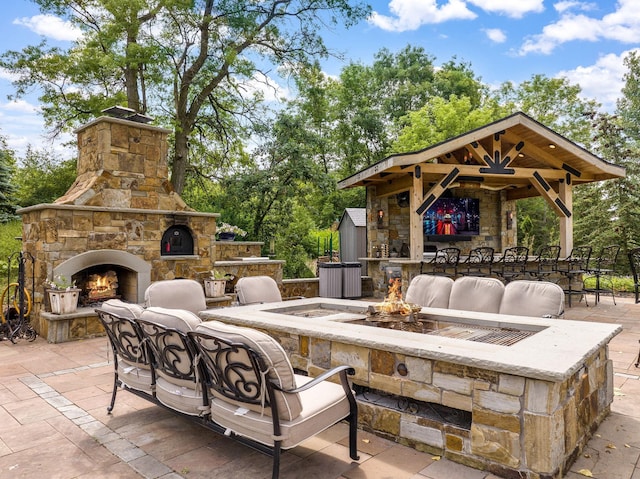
(177, 380)
(131, 359)
(257, 289)
(176, 294)
(533, 298)
(472, 293)
(255, 393)
(429, 291)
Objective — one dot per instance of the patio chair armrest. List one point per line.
(342, 371)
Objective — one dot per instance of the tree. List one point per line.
(43, 178)
(192, 62)
(441, 119)
(7, 187)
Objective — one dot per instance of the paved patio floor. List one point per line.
(53, 424)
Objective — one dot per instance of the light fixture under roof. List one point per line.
(552, 146)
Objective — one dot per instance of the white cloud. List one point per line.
(22, 126)
(50, 26)
(602, 81)
(563, 6)
(510, 8)
(622, 25)
(412, 14)
(495, 35)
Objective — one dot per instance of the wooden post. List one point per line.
(416, 237)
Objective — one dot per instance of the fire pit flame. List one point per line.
(393, 303)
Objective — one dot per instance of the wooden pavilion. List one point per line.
(513, 158)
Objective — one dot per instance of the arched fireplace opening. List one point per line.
(125, 275)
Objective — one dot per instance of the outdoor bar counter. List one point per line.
(526, 408)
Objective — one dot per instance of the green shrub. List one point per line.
(9, 245)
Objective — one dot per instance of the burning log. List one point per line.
(393, 303)
(102, 286)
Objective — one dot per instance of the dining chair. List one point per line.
(602, 269)
(545, 264)
(444, 263)
(634, 262)
(574, 267)
(512, 264)
(478, 263)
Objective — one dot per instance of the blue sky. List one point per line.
(503, 40)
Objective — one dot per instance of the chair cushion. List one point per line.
(179, 319)
(135, 375)
(122, 309)
(180, 397)
(470, 293)
(257, 289)
(280, 370)
(322, 406)
(176, 293)
(429, 291)
(532, 298)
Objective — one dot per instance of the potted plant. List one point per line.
(215, 286)
(227, 232)
(63, 295)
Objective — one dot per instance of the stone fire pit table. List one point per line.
(520, 407)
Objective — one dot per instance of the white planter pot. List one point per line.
(64, 301)
(214, 288)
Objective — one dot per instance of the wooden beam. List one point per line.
(437, 190)
(416, 237)
(549, 194)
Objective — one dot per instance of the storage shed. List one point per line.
(353, 235)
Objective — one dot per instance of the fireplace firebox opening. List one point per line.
(103, 282)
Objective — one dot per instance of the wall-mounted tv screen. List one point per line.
(452, 216)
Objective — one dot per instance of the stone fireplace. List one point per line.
(120, 217)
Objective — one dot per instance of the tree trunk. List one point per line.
(180, 160)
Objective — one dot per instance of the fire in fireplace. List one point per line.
(100, 283)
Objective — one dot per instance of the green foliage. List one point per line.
(441, 119)
(42, 178)
(9, 245)
(538, 224)
(7, 186)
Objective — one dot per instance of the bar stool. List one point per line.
(512, 264)
(478, 263)
(604, 265)
(546, 263)
(445, 263)
(576, 265)
(634, 262)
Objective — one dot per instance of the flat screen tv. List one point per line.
(452, 219)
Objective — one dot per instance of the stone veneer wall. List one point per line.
(56, 233)
(521, 427)
(395, 231)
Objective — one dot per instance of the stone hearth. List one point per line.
(115, 214)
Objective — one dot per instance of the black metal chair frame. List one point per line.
(573, 266)
(512, 264)
(127, 341)
(478, 263)
(445, 263)
(634, 263)
(243, 382)
(546, 263)
(603, 267)
(148, 343)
